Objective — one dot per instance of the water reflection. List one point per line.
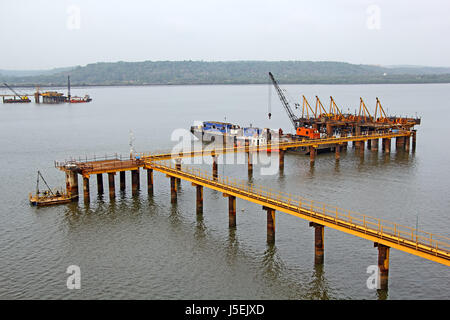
(232, 249)
(337, 166)
(373, 158)
(281, 180)
(72, 210)
(100, 197)
(401, 157)
(122, 195)
(152, 204)
(318, 286)
(382, 294)
(174, 216)
(272, 263)
(386, 158)
(200, 229)
(135, 202)
(361, 158)
(311, 170)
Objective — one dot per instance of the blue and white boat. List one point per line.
(209, 131)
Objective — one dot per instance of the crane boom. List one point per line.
(12, 90)
(284, 101)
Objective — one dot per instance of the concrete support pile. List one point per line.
(86, 188)
(150, 181)
(374, 145)
(231, 211)
(383, 265)
(281, 161)
(400, 143)
(214, 167)
(135, 181)
(270, 225)
(100, 183)
(199, 202)
(178, 167)
(362, 145)
(173, 189)
(122, 180)
(318, 242)
(111, 185)
(249, 158)
(72, 184)
(312, 154)
(387, 145)
(337, 152)
(407, 143)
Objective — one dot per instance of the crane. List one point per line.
(37, 184)
(284, 101)
(304, 132)
(22, 98)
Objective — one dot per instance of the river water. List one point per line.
(141, 247)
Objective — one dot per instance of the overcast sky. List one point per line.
(43, 34)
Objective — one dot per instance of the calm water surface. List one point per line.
(145, 248)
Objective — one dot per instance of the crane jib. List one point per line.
(284, 101)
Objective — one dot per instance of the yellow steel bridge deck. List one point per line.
(423, 244)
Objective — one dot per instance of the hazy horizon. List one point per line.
(45, 34)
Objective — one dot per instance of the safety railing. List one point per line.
(110, 165)
(380, 228)
(222, 149)
(75, 161)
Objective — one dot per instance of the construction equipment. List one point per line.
(306, 108)
(364, 113)
(301, 131)
(75, 99)
(284, 101)
(48, 197)
(22, 99)
(309, 133)
(334, 110)
(383, 118)
(318, 121)
(68, 88)
(322, 112)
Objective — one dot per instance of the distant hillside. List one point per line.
(26, 73)
(232, 72)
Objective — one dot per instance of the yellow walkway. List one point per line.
(420, 243)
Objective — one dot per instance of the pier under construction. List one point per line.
(384, 234)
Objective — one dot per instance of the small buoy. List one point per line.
(270, 115)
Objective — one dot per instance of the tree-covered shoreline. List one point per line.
(229, 72)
